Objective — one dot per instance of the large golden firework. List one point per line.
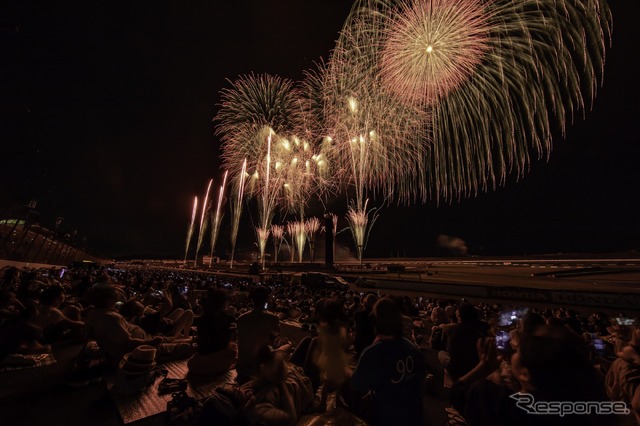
(495, 77)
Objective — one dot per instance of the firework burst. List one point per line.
(431, 47)
(493, 76)
(255, 107)
(370, 141)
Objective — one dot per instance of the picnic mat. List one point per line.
(149, 403)
(20, 362)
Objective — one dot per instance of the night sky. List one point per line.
(107, 122)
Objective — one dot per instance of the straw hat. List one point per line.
(140, 361)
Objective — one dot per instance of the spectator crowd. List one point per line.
(363, 351)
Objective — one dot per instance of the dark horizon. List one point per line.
(108, 124)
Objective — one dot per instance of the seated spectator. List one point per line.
(623, 378)
(132, 311)
(180, 293)
(54, 323)
(439, 316)
(391, 370)
(21, 336)
(598, 323)
(10, 307)
(550, 365)
(282, 393)
(256, 329)
(114, 333)
(216, 351)
(159, 317)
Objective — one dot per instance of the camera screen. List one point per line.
(599, 346)
(502, 339)
(512, 316)
(625, 321)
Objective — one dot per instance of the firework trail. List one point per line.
(301, 239)
(262, 236)
(334, 219)
(298, 234)
(190, 230)
(217, 219)
(277, 233)
(203, 222)
(237, 209)
(291, 230)
(312, 226)
(360, 224)
(494, 77)
(267, 204)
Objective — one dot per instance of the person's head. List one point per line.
(331, 312)
(554, 363)
(388, 317)
(105, 296)
(259, 297)
(439, 316)
(370, 300)
(531, 322)
(10, 278)
(52, 295)
(467, 312)
(131, 309)
(215, 301)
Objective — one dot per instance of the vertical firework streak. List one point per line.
(298, 234)
(301, 239)
(267, 203)
(277, 233)
(215, 229)
(203, 222)
(360, 224)
(291, 230)
(263, 236)
(334, 219)
(190, 230)
(237, 209)
(312, 226)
